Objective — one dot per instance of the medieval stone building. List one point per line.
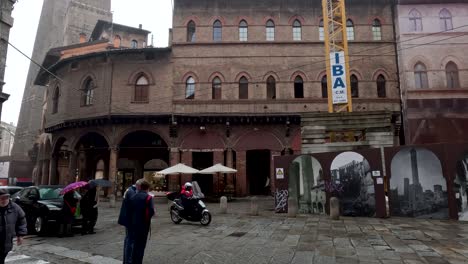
(61, 23)
(231, 89)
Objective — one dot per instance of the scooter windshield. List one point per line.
(197, 190)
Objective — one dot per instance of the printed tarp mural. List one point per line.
(353, 184)
(460, 188)
(417, 186)
(306, 183)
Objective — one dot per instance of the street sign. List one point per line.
(279, 173)
(338, 73)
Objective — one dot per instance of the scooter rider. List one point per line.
(186, 197)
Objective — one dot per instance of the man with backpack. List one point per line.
(139, 211)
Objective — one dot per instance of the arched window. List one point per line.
(117, 41)
(420, 76)
(376, 30)
(243, 31)
(216, 88)
(350, 29)
(141, 89)
(451, 71)
(321, 31)
(324, 83)
(134, 44)
(415, 21)
(381, 86)
(271, 88)
(445, 20)
(354, 86)
(298, 87)
(190, 88)
(191, 31)
(270, 30)
(55, 100)
(297, 30)
(243, 88)
(87, 92)
(217, 31)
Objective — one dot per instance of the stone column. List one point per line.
(114, 156)
(272, 170)
(241, 177)
(187, 160)
(53, 170)
(218, 183)
(71, 168)
(173, 180)
(45, 172)
(229, 163)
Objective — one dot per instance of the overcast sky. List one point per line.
(155, 15)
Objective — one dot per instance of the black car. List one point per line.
(11, 189)
(42, 205)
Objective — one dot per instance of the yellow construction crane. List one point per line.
(336, 56)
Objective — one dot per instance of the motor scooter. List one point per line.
(195, 209)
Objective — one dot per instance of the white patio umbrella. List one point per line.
(179, 169)
(217, 169)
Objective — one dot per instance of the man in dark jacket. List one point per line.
(124, 219)
(12, 223)
(89, 210)
(142, 210)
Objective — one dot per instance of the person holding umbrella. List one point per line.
(70, 202)
(89, 210)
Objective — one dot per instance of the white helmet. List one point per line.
(188, 184)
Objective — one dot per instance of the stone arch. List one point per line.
(450, 58)
(220, 18)
(131, 130)
(357, 73)
(247, 19)
(271, 73)
(352, 181)
(74, 143)
(137, 73)
(298, 17)
(195, 19)
(418, 187)
(379, 72)
(298, 73)
(380, 18)
(320, 75)
(216, 74)
(266, 18)
(243, 74)
(419, 59)
(196, 139)
(87, 76)
(190, 74)
(259, 139)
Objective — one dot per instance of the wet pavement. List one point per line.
(237, 237)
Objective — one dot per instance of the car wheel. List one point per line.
(39, 225)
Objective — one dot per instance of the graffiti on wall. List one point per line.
(417, 185)
(352, 182)
(281, 201)
(460, 188)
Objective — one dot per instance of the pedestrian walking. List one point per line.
(142, 210)
(12, 223)
(89, 210)
(70, 202)
(124, 219)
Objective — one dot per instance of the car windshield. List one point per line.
(50, 193)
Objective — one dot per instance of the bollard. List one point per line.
(334, 208)
(292, 206)
(112, 201)
(223, 204)
(254, 206)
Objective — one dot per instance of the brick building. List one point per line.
(230, 88)
(433, 66)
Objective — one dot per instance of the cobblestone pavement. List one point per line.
(268, 238)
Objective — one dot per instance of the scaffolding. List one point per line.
(336, 56)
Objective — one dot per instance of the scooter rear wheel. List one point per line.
(175, 216)
(206, 218)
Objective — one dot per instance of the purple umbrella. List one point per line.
(73, 186)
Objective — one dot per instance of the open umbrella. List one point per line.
(100, 183)
(179, 169)
(73, 186)
(217, 169)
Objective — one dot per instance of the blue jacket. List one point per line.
(124, 216)
(142, 210)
